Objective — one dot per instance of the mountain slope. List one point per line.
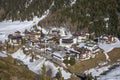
(87, 14)
(99, 16)
(10, 70)
(23, 9)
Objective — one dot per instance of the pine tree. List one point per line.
(7, 45)
(23, 41)
(73, 77)
(43, 76)
(59, 75)
(89, 77)
(49, 74)
(72, 61)
(13, 47)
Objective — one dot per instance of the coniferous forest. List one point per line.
(99, 16)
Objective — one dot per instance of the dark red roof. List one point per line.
(17, 32)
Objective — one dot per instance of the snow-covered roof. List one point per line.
(106, 19)
(73, 50)
(104, 37)
(59, 54)
(81, 45)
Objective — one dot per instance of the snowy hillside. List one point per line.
(112, 75)
(8, 27)
(36, 65)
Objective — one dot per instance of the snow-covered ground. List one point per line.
(97, 71)
(36, 65)
(109, 47)
(73, 2)
(112, 75)
(3, 55)
(8, 27)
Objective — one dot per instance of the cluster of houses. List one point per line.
(59, 43)
(107, 39)
(15, 38)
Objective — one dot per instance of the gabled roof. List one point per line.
(59, 54)
(17, 32)
(17, 37)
